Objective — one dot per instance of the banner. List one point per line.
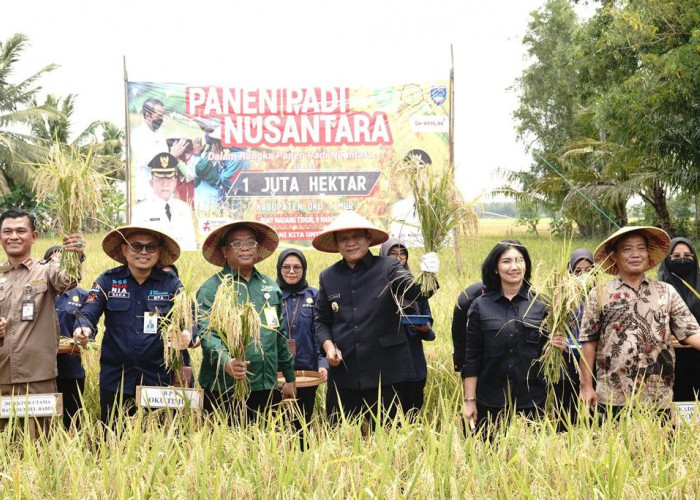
(292, 158)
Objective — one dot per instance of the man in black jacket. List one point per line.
(358, 324)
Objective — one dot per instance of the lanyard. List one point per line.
(294, 314)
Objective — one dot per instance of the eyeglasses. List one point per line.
(138, 247)
(237, 244)
(287, 268)
(688, 256)
(399, 255)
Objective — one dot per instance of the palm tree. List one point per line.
(101, 139)
(18, 149)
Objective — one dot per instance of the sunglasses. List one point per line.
(138, 247)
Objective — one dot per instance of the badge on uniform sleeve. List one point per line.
(271, 318)
(309, 300)
(150, 323)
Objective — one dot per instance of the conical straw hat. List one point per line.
(658, 243)
(347, 220)
(266, 237)
(113, 241)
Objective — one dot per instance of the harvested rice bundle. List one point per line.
(177, 328)
(564, 294)
(238, 325)
(72, 188)
(442, 212)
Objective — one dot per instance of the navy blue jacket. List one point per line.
(126, 350)
(299, 315)
(67, 304)
(416, 338)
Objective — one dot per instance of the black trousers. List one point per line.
(113, 403)
(566, 393)
(239, 412)
(72, 389)
(365, 402)
(413, 397)
(489, 419)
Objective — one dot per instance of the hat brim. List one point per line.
(113, 241)
(658, 244)
(267, 239)
(325, 241)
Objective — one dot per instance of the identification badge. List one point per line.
(28, 310)
(271, 318)
(150, 323)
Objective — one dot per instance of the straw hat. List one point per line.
(347, 220)
(112, 244)
(266, 237)
(658, 243)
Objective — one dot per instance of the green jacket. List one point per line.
(273, 355)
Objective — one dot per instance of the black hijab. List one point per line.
(670, 272)
(302, 284)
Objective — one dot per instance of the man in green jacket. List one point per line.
(237, 247)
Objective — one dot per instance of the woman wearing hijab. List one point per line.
(412, 400)
(681, 265)
(566, 390)
(299, 299)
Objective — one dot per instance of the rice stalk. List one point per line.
(181, 319)
(564, 294)
(72, 188)
(440, 208)
(240, 324)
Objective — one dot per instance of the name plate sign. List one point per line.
(169, 397)
(31, 405)
(686, 411)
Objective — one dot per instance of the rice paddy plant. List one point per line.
(201, 456)
(72, 187)
(240, 323)
(180, 320)
(441, 211)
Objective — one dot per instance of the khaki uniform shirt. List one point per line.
(633, 328)
(30, 347)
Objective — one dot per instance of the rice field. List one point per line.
(188, 456)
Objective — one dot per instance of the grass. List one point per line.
(191, 457)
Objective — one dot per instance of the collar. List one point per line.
(523, 293)
(29, 262)
(367, 260)
(255, 274)
(619, 282)
(286, 293)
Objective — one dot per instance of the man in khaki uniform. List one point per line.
(29, 332)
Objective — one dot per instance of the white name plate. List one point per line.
(169, 397)
(31, 405)
(686, 411)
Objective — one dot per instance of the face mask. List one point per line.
(682, 266)
(157, 123)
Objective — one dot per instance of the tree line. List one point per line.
(30, 129)
(609, 106)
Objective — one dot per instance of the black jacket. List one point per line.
(365, 325)
(503, 344)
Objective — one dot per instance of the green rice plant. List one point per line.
(72, 187)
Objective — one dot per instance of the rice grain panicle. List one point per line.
(439, 206)
(238, 325)
(72, 188)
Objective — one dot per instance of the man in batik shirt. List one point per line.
(628, 324)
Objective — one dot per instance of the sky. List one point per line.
(282, 43)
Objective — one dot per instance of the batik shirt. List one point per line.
(633, 328)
